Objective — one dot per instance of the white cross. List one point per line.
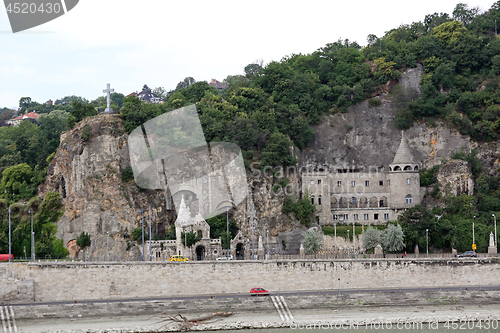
(108, 91)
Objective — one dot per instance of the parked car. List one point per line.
(178, 258)
(259, 291)
(467, 254)
(226, 257)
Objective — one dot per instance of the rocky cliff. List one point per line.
(87, 169)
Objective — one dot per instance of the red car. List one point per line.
(259, 291)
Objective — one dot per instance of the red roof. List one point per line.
(30, 115)
(132, 94)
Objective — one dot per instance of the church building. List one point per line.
(374, 196)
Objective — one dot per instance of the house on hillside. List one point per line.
(16, 121)
(218, 85)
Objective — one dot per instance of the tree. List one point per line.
(190, 238)
(252, 69)
(372, 238)
(464, 14)
(185, 83)
(79, 112)
(83, 241)
(145, 87)
(393, 238)
(313, 241)
(117, 99)
(371, 39)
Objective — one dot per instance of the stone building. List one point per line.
(367, 195)
(206, 247)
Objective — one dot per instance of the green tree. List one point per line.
(372, 238)
(190, 238)
(393, 238)
(83, 241)
(313, 241)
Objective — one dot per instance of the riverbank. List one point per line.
(334, 311)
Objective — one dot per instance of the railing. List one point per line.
(272, 256)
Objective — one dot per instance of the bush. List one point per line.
(127, 174)
(374, 102)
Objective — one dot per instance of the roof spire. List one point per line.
(403, 155)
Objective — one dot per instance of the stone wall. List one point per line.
(80, 280)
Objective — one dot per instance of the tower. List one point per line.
(404, 177)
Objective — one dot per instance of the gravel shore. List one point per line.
(303, 318)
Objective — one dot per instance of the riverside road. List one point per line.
(338, 291)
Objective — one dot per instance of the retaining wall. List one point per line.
(80, 280)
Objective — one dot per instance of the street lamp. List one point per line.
(495, 229)
(32, 237)
(107, 248)
(253, 248)
(150, 258)
(348, 240)
(142, 227)
(268, 243)
(427, 237)
(473, 238)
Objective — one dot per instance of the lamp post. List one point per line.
(267, 244)
(473, 238)
(142, 227)
(10, 231)
(253, 248)
(427, 237)
(107, 248)
(32, 237)
(348, 240)
(335, 229)
(150, 258)
(227, 228)
(495, 229)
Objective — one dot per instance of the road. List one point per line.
(276, 293)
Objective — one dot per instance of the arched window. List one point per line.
(416, 168)
(319, 200)
(409, 199)
(353, 201)
(312, 199)
(407, 168)
(200, 234)
(397, 168)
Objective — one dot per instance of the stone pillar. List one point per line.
(417, 251)
(492, 250)
(301, 251)
(260, 249)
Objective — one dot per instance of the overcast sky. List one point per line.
(160, 42)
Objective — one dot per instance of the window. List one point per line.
(346, 217)
(365, 216)
(408, 181)
(355, 217)
(381, 202)
(312, 199)
(353, 183)
(386, 216)
(353, 201)
(312, 182)
(319, 181)
(339, 183)
(375, 216)
(381, 182)
(319, 200)
(409, 199)
(335, 217)
(367, 183)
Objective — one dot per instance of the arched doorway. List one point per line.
(200, 252)
(240, 252)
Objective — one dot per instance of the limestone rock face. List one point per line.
(87, 173)
(455, 177)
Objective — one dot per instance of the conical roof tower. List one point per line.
(403, 161)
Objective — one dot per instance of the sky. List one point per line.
(160, 42)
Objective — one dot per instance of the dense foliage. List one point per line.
(46, 212)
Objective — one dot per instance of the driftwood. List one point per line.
(188, 323)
